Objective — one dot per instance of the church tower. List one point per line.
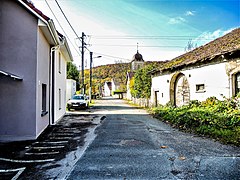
(137, 62)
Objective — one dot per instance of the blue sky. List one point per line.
(163, 27)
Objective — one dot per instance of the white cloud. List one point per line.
(176, 20)
(189, 13)
(207, 36)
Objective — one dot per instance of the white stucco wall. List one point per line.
(43, 59)
(161, 84)
(60, 84)
(107, 91)
(129, 96)
(71, 89)
(214, 77)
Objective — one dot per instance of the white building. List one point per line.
(32, 71)
(107, 89)
(71, 89)
(209, 70)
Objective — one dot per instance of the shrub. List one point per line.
(212, 118)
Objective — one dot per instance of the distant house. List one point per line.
(32, 71)
(107, 88)
(136, 63)
(130, 75)
(110, 87)
(71, 89)
(209, 70)
(115, 85)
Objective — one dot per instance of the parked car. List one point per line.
(78, 102)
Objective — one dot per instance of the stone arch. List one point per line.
(179, 90)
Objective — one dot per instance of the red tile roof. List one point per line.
(29, 4)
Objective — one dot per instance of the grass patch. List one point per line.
(212, 118)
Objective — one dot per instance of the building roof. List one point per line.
(30, 4)
(226, 44)
(60, 39)
(137, 57)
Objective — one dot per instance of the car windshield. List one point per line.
(78, 97)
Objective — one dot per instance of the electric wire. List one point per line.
(66, 19)
(62, 28)
(110, 56)
(150, 37)
(128, 45)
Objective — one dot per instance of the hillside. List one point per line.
(118, 72)
(101, 74)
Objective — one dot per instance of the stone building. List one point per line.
(209, 70)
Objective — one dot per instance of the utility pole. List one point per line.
(90, 83)
(90, 75)
(83, 46)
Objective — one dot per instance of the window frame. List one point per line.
(199, 88)
(59, 63)
(59, 99)
(44, 100)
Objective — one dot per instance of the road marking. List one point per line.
(59, 137)
(20, 171)
(48, 147)
(51, 142)
(26, 161)
(43, 153)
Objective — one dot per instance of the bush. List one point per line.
(213, 118)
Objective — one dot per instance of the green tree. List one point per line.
(73, 73)
(142, 82)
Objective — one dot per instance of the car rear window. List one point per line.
(78, 97)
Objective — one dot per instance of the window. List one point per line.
(237, 83)
(59, 63)
(44, 100)
(200, 88)
(60, 99)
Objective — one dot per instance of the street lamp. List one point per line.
(90, 84)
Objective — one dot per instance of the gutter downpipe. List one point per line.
(52, 85)
(52, 78)
(54, 35)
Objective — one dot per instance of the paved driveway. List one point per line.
(53, 154)
(130, 144)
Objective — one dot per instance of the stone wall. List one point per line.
(142, 102)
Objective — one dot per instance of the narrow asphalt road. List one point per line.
(130, 144)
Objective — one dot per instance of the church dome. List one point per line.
(137, 57)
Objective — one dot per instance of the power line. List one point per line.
(112, 56)
(150, 37)
(62, 28)
(66, 19)
(128, 45)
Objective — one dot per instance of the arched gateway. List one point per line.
(179, 90)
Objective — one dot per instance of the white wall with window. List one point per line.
(204, 82)
(207, 81)
(60, 86)
(43, 58)
(161, 85)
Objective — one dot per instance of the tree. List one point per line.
(190, 46)
(142, 82)
(73, 73)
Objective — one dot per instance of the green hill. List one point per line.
(118, 72)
